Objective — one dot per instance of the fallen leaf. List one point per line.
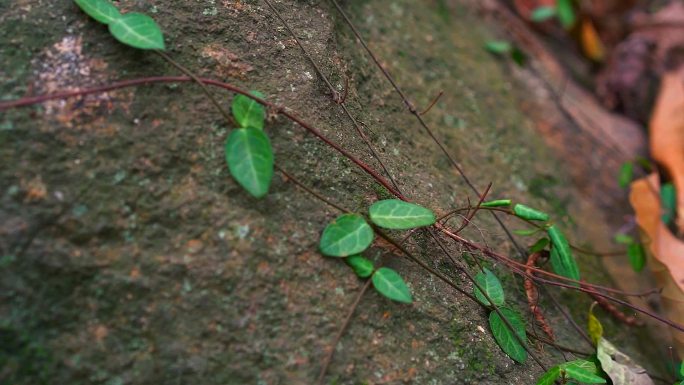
(592, 46)
(667, 133)
(619, 366)
(664, 251)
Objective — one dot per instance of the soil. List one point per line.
(129, 256)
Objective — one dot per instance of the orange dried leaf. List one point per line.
(592, 46)
(664, 251)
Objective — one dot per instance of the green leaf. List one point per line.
(347, 235)
(581, 375)
(526, 212)
(390, 284)
(624, 239)
(505, 337)
(491, 285)
(637, 256)
(581, 364)
(562, 261)
(247, 112)
(496, 203)
(498, 46)
(543, 13)
(138, 31)
(566, 13)
(361, 266)
(518, 56)
(539, 245)
(626, 174)
(397, 214)
(100, 10)
(250, 160)
(550, 377)
(681, 369)
(668, 201)
(526, 233)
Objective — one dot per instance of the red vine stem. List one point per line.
(515, 266)
(533, 297)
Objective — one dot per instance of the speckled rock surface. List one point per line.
(129, 256)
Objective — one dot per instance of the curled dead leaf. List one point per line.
(619, 366)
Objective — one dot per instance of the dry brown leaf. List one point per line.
(621, 369)
(592, 46)
(664, 251)
(667, 134)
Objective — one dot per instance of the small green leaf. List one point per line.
(505, 337)
(624, 239)
(390, 284)
(526, 212)
(247, 112)
(138, 31)
(539, 245)
(550, 377)
(566, 13)
(250, 160)
(594, 327)
(498, 46)
(347, 235)
(361, 266)
(637, 256)
(626, 174)
(400, 215)
(562, 261)
(527, 232)
(681, 369)
(668, 201)
(581, 364)
(100, 10)
(518, 56)
(496, 203)
(543, 13)
(491, 285)
(581, 375)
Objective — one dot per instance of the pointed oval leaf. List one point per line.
(491, 285)
(100, 10)
(496, 203)
(526, 232)
(562, 261)
(594, 327)
(498, 46)
(526, 212)
(348, 234)
(539, 245)
(550, 377)
(566, 13)
(581, 364)
(250, 160)
(543, 13)
(626, 174)
(584, 376)
(247, 112)
(637, 256)
(400, 215)
(137, 30)
(361, 266)
(390, 284)
(505, 337)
